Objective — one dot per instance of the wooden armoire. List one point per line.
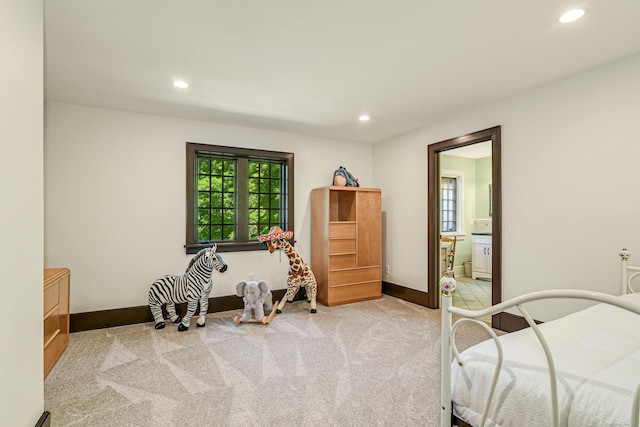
(346, 243)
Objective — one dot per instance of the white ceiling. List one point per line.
(312, 67)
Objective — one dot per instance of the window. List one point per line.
(451, 202)
(236, 194)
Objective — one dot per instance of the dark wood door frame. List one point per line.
(433, 214)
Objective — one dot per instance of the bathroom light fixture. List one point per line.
(181, 84)
(363, 118)
(572, 15)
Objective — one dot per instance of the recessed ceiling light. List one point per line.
(572, 15)
(363, 118)
(181, 84)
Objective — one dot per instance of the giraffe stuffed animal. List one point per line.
(299, 272)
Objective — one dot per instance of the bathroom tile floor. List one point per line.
(472, 294)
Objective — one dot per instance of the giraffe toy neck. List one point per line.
(288, 249)
(296, 264)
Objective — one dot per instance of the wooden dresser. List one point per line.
(56, 315)
(346, 243)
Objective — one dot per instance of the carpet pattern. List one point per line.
(372, 363)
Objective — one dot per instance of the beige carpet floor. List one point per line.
(372, 363)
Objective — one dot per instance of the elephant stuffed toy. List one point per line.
(257, 298)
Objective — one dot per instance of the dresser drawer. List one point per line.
(342, 246)
(338, 262)
(51, 326)
(354, 275)
(356, 292)
(51, 296)
(342, 229)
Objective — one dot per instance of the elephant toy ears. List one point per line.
(240, 289)
(276, 233)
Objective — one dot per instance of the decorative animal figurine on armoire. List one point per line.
(258, 302)
(191, 287)
(299, 272)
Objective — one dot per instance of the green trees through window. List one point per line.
(234, 195)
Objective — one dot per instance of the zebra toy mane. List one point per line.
(196, 258)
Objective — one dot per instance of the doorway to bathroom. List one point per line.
(464, 205)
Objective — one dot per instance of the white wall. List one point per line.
(570, 182)
(21, 224)
(115, 199)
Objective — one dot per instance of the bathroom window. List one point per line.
(451, 202)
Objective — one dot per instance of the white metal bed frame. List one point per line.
(448, 285)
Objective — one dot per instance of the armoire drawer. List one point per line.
(355, 292)
(338, 262)
(342, 246)
(342, 229)
(354, 275)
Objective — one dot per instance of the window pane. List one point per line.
(216, 166)
(203, 200)
(216, 216)
(228, 184)
(216, 232)
(203, 217)
(203, 183)
(253, 216)
(216, 200)
(275, 186)
(228, 232)
(203, 233)
(204, 166)
(253, 200)
(216, 183)
(229, 200)
(275, 170)
(254, 185)
(229, 216)
(229, 168)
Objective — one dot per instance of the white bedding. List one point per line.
(597, 357)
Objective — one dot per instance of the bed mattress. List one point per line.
(597, 357)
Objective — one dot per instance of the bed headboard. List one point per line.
(628, 274)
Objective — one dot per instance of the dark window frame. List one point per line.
(193, 245)
(449, 193)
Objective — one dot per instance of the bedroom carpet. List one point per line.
(372, 363)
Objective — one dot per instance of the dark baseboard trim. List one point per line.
(458, 422)
(404, 293)
(45, 420)
(512, 322)
(141, 314)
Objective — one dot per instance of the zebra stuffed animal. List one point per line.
(193, 286)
